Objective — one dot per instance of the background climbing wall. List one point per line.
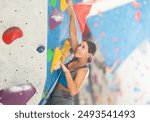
(123, 36)
(134, 74)
(19, 61)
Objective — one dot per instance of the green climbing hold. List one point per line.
(50, 54)
(43, 95)
(53, 2)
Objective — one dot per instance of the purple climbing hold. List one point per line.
(56, 18)
(17, 95)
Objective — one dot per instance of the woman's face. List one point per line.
(82, 51)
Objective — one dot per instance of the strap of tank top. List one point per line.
(74, 59)
(85, 66)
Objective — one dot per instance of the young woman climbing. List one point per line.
(76, 71)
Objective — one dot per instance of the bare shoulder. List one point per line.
(83, 71)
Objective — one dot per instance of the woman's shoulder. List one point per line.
(83, 69)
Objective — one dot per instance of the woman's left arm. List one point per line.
(74, 85)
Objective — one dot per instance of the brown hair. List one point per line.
(91, 49)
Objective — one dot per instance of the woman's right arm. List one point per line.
(72, 28)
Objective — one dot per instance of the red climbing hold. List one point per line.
(11, 34)
(82, 10)
(86, 32)
(138, 16)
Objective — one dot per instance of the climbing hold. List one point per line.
(63, 5)
(40, 49)
(17, 95)
(96, 25)
(66, 49)
(115, 40)
(12, 34)
(136, 89)
(53, 3)
(56, 60)
(56, 18)
(138, 16)
(82, 10)
(118, 61)
(50, 54)
(116, 50)
(44, 94)
(136, 4)
(60, 55)
(102, 34)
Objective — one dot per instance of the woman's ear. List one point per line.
(90, 57)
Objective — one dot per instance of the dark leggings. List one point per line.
(60, 98)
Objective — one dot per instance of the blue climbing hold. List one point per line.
(40, 49)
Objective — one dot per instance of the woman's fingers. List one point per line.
(63, 67)
(70, 10)
(67, 1)
(61, 63)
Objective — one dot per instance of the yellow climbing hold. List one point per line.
(60, 55)
(66, 48)
(56, 59)
(63, 5)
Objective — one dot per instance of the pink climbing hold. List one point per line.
(96, 25)
(136, 4)
(117, 50)
(82, 10)
(102, 34)
(118, 61)
(99, 47)
(56, 18)
(12, 34)
(115, 40)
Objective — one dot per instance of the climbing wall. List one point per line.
(33, 40)
(135, 79)
(22, 49)
(34, 32)
(123, 35)
(58, 32)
